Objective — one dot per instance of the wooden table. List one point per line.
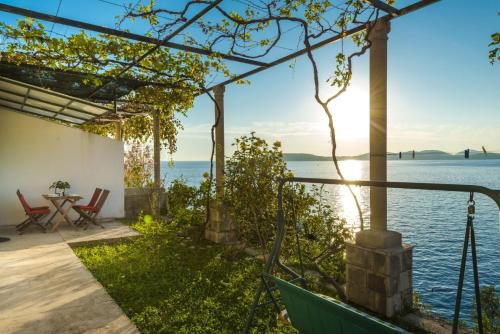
(59, 202)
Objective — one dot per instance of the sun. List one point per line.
(350, 114)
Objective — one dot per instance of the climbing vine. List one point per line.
(174, 78)
(255, 29)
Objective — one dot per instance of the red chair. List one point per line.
(92, 203)
(88, 214)
(35, 215)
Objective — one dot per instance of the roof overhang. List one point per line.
(77, 84)
(40, 102)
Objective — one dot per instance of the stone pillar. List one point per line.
(378, 123)
(219, 142)
(379, 266)
(118, 131)
(221, 227)
(156, 164)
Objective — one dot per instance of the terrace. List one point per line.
(46, 289)
(45, 103)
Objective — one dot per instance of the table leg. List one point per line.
(63, 212)
(55, 213)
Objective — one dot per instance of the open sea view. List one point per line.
(432, 221)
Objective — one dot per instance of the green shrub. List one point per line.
(322, 234)
(418, 305)
(139, 163)
(172, 281)
(490, 307)
(186, 205)
(251, 184)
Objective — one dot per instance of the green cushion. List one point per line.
(315, 314)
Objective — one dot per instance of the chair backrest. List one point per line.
(101, 201)
(25, 205)
(95, 196)
(314, 314)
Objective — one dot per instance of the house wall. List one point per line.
(34, 153)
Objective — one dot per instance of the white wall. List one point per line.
(34, 153)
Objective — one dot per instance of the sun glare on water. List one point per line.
(352, 170)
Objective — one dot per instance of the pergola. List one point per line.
(221, 229)
(36, 101)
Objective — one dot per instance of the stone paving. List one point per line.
(44, 288)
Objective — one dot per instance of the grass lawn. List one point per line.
(172, 281)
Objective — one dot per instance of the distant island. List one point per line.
(419, 155)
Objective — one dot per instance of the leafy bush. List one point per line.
(418, 306)
(251, 186)
(186, 205)
(252, 179)
(138, 166)
(139, 171)
(322, 234)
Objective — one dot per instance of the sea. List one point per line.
(432, 221)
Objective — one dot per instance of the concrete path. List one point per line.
(44, 288)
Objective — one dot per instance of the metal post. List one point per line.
(477, 290)
(272, 258)
(458, 299)
(469, 232)
(378, 123)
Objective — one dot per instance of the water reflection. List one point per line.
(352, 170)
(339, 196)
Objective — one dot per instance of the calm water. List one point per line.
(432, 221)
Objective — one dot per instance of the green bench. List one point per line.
(316, 314)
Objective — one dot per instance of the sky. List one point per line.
(442, 92)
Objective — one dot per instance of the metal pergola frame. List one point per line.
(391, 13)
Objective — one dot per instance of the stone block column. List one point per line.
(379, 275)
(221, 227)
(380, 279)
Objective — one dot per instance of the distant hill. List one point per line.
(419, 155)
(305, 157)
